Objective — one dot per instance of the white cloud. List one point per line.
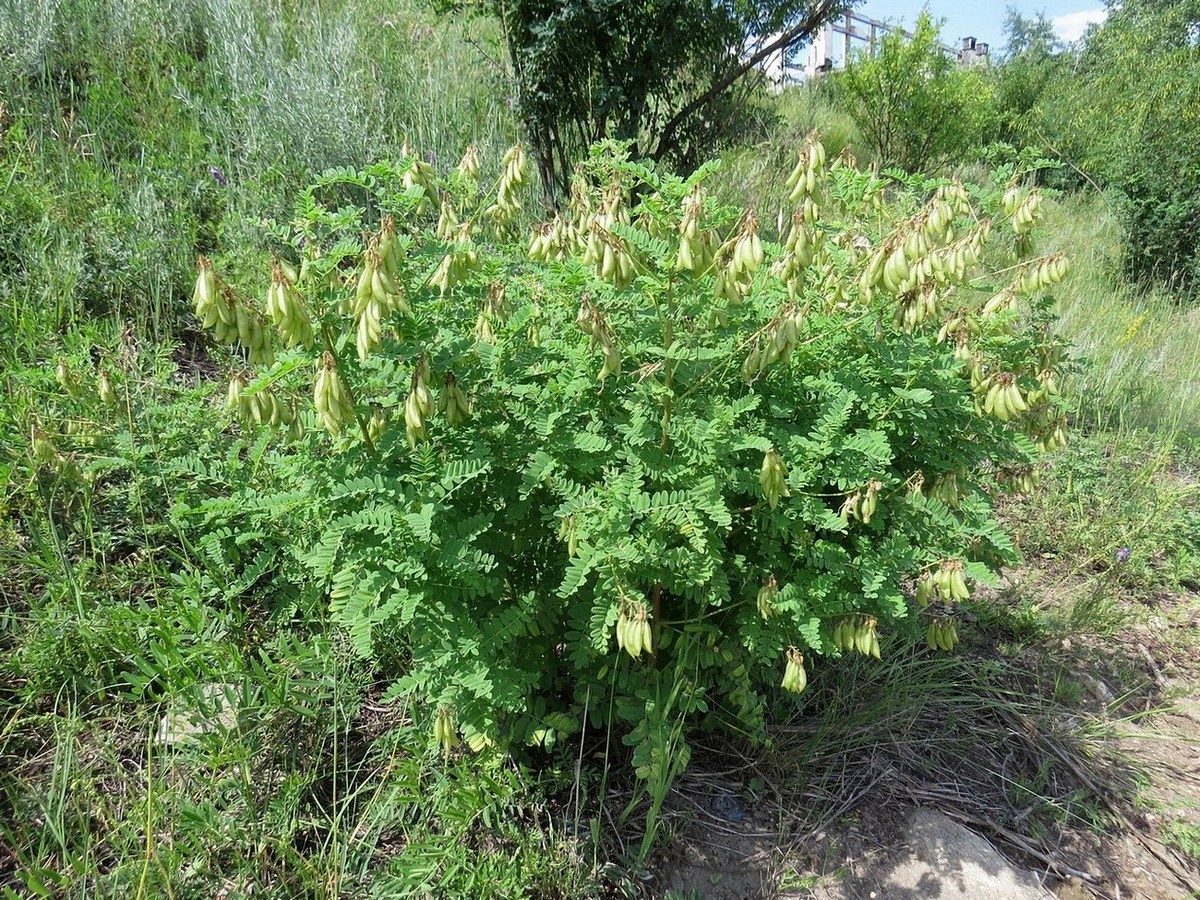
(1072, 26)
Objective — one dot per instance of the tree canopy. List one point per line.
(1028, 36)
(1122, 107)
(668, 75)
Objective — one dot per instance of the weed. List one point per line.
(1185, 836)
(1129, 515)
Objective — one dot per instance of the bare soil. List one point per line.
(1085, 789)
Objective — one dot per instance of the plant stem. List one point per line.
(656, 609)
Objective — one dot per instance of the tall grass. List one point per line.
(137, 135)
(325, 84)
(342, 84)
(1140, 346)
(756, 173)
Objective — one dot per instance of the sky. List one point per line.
(985, 20)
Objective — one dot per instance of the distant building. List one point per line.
(836, 42)
(973, 53)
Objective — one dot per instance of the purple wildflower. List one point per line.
(218, 176)
(1123, 554)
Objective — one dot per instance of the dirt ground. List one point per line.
(1113, 779)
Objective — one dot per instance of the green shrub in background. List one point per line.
(1121, 109)
(1138, 127)
(638, 468)
(916, 109)
(1032, 64)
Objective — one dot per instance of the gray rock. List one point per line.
(213, 708)
(949, 862)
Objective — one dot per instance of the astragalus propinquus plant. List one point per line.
(645, 464)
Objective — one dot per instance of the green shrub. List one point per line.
(1121, 108)
(913, 104)
(1033, 63)
(782, 439)
(1141, 90)
(1159, 199)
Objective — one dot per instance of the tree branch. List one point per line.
(820, 14)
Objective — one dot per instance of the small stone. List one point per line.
(214, 708)
(950, 862)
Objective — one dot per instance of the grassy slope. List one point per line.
(1142, 345)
